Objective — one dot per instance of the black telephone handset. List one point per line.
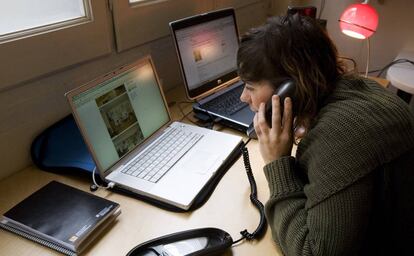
(285, 89)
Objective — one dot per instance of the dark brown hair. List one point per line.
(294, 47)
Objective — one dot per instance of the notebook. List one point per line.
(125, 122)
(61, 217)
(206, 46)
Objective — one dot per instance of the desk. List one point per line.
(228, 208)
(381, 81)
(401, 76)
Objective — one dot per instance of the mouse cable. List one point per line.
(208, 125)
(95, 185)
(397, 61)
(261, 228)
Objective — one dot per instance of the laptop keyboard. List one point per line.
(227, 103)
(158, 159)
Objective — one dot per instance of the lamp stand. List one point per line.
(368, 57)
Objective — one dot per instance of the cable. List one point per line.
(95, 185)
(213, 119)
(350, 59)
(261, 228)
(322, 7)
(373, 71)
(247, 142)
(381, 70)
(209, 125)
(368, 56)
(185, 116)
(397, 61)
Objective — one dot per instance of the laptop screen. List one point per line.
(121, 112)
(207, 49)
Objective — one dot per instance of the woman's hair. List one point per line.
(294, 47)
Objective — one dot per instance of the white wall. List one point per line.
(394, 33)
(395, 30)
(27, 109)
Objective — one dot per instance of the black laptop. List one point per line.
(206, 46)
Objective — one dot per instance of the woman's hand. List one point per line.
(276, 141)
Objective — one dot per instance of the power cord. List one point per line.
(397, 61)
(382, 70)
(321, 10)
(95, 185)
(209, 125)
(354, 64)
(185, 116)
(261, 228)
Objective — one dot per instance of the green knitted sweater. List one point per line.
(321, 201)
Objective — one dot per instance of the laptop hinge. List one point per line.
(214, 90)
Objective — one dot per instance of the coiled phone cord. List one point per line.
(261, 228)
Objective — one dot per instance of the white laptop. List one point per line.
(124, 119)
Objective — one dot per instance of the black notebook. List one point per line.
(61, 217)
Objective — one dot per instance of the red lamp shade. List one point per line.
(359, 21)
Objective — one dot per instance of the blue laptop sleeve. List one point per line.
(61, 148)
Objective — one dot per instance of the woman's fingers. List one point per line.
(261, 125)
(261, 119)
(276, 119)
(274, 142)
(287, 115)
(256, 125)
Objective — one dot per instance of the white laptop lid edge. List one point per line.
(69, 95)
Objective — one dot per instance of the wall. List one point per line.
(394, 33)
(395, 30)
(28, 108)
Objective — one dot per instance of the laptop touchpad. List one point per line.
(202, 162)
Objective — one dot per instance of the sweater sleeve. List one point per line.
(335, 226)
(360, 128)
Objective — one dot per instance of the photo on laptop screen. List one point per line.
(114, 113)
(120, 119)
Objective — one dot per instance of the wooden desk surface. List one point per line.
(382, 81)
(228, 208)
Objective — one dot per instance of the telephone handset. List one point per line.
(285, 89)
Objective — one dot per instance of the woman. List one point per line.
(348, 189)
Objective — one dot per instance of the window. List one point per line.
(139, 1)
(42, 36)
(38, 37)
(25, 17)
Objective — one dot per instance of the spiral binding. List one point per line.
(37, 239)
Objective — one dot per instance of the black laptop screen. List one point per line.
(207, 47)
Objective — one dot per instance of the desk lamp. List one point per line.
(360, 21)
